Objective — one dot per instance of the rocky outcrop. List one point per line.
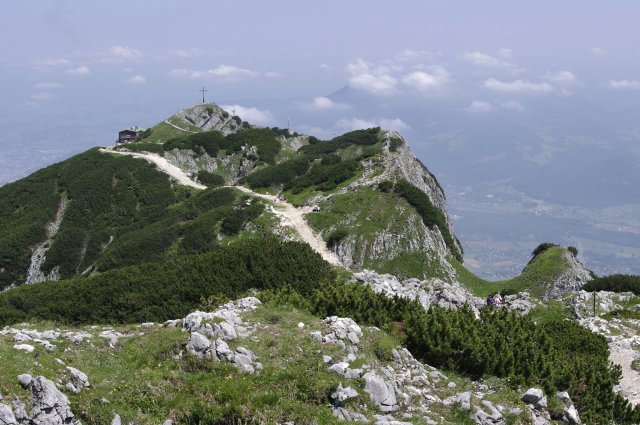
(49, 406)
(572, 279)
(235, 165)
(402, 233)
(209, 333)
(430, 292)
(35, 273)
(209, 116)
(381, 392)
(401, 163)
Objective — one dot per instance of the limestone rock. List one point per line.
(25, 380)
(6, 415)
(380, 392)
(429, 292)
(78, 378)
(341, 394)
(572, 279)
(50, 406)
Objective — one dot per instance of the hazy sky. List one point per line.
(73, 72)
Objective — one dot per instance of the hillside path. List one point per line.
(294, 217)
(630, 381)
(163, 165)
(288, 214)
(178, 128)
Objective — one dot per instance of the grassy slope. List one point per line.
(145, 382)
(539, 273)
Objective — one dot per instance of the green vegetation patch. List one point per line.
(210, 179)
(358, 137)
(160, 291)
(264, 140)
(615, 283)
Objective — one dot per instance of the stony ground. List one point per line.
(244, 359)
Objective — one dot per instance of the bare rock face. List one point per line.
(209, 117)
(428, 292)
(50, 406)
(381, 392)
(572, 280)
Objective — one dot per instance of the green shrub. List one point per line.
(160, 291)
(324, 177)
(573, 250)
(542, 248)
(277, 174)
(615, 283)
(210, 179)
(358, 137)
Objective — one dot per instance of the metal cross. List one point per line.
(203, 90)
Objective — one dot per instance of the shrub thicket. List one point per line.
(278, 174)
(263, 139)
(615, 283)
(210, 179)
(157, 292)
(324, 176)
(358, 137)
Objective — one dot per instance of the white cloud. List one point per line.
(358, 124)
(505, 53)
(125, 53)
(251, 114)
(322, 103)
(413, 55)
(47, 86)
(373, 79)
(376, 84)
(479, 107)
(485, 60)
(137, 79)
(518, 86)
(80, 70)
(561, 77)
(53, 62)
(40, 96)
(222, 72)
(324, 67)
(512, 105)
(393, 124)
(424, 81)
(192, 52)
(597, 51)
(230, 71)
(624, 84)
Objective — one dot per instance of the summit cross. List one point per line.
(203, 90)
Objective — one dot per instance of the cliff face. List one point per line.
(399, 162)
(381, 232)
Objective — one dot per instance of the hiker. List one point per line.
(497, 299)
(489, 301)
